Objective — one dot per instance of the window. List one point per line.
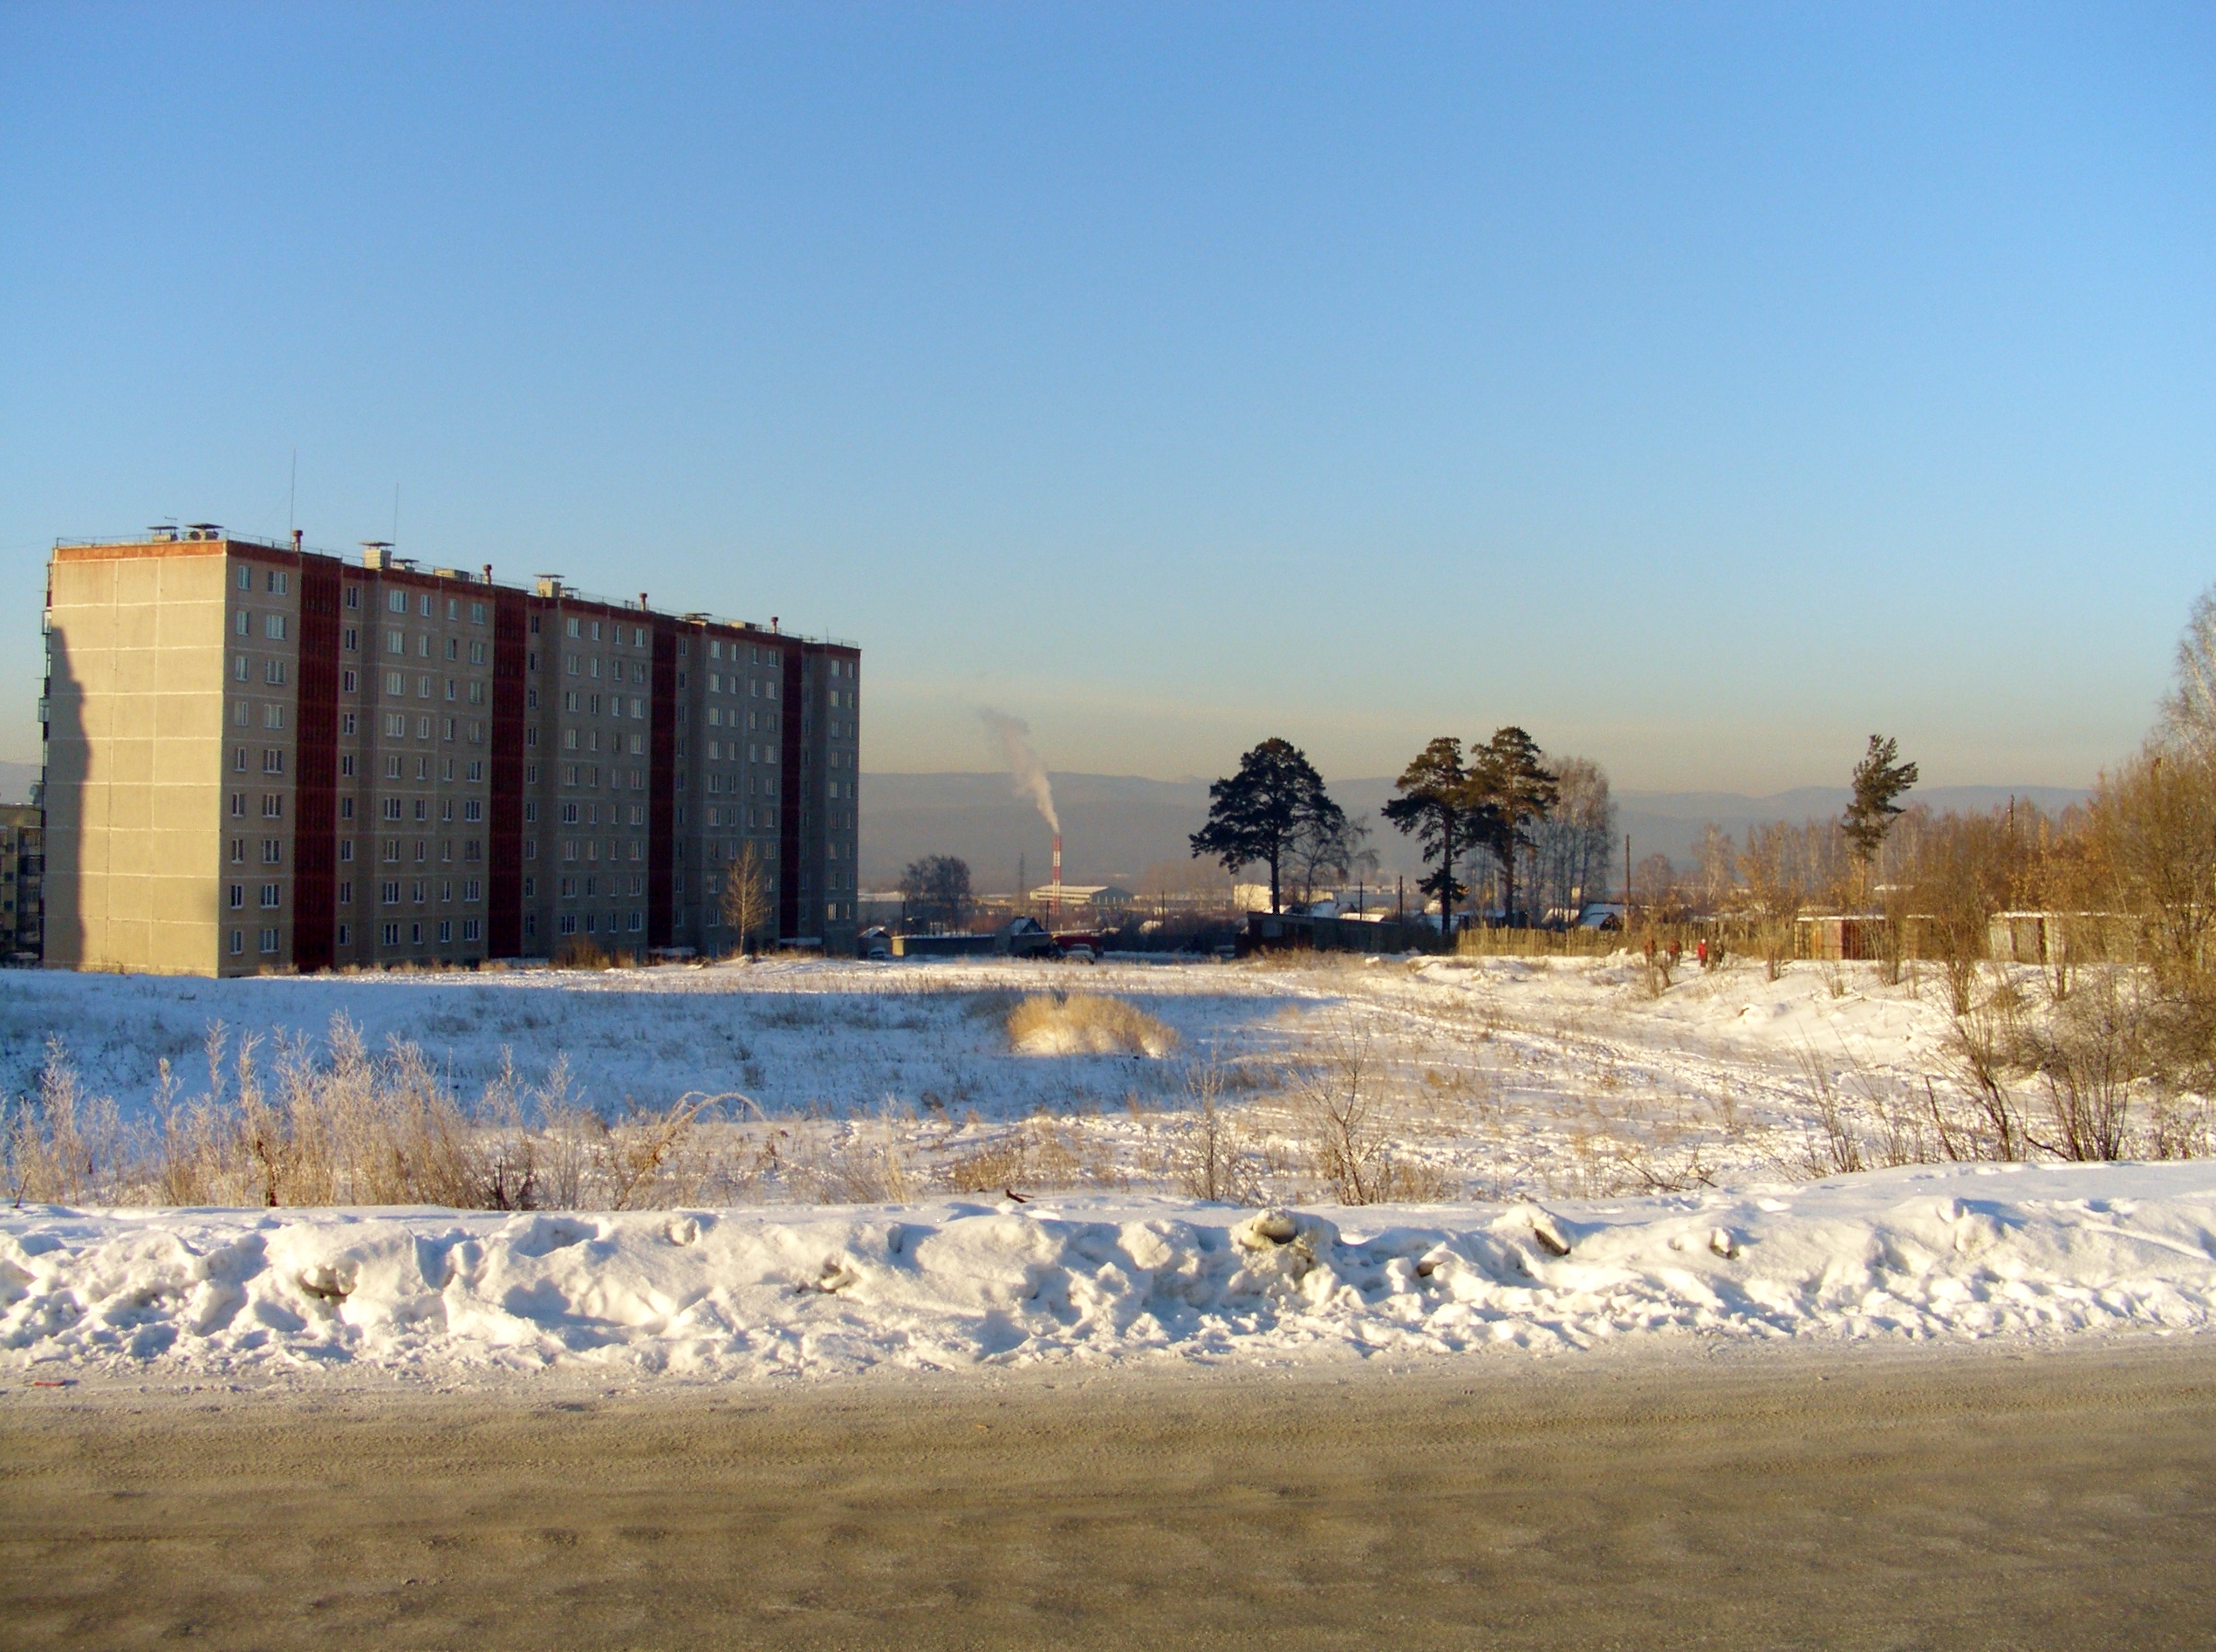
(347, 764)
(423, 688)
(395, 643)
(346, 850)
(419, 891)
(422, 808)
(531, 814)
(272, 805)
(242, 623)
(272, 851)
(476, 770)
(345, 934)
(242, 714)
(476, 617)
(272, 715)
(245, 578)
(531, 922)
(569, 919)
(238, 895)
(273, 628)
(423, 605)
(346, 893)
(350, 684)
(270, 894)
(446, 932)
(390, 935)
(449, 728)
(470, 929)
(390, 809)
(354, 596)
(476, 692)
(470, 891)
(388, 892)
(238, 760)
(473, 808)
(269, 941)
(277, 582)
(423, 728)
(238, 942)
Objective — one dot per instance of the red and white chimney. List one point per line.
(1054, 899)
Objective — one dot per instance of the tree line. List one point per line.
(1538, 825)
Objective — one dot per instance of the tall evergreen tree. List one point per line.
(1434, 807)
(1878, 781)
(1509, 790)
(1262, 812)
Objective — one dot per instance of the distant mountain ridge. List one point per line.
(1116, 826)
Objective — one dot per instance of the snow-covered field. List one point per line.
(1495, 1078)
(1575, 1157)
(1955, 1252)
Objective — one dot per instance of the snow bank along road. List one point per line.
(1776, 1497)
(1948, 1252)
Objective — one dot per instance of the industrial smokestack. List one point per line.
(1055, 900)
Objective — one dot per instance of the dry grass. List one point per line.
(1086, 1024)
(287, 1124)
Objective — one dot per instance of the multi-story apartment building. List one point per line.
(23, 865)
(260, 757)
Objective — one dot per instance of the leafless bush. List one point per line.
(1340, 1097)
(1982, 1049)
(348, 1127)
(62, 1147)
(1086, 1023)
(2090, 1055)
(1210, 1163)
(1836, 1149)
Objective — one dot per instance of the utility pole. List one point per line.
(1627, 882)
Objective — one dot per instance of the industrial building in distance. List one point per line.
(264, 758)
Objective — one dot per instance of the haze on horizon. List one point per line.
(1701, 390)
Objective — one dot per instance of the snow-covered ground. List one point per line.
(1495, 1077)
(1959, 1251)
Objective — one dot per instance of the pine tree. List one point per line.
(1509, 789)
(1878, 781)
(1263, 811)
(1434, 806)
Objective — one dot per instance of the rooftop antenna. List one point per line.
(291, 501)
(396, 515)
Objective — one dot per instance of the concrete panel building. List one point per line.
(260, 757)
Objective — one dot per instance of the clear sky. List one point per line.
(1701, 387)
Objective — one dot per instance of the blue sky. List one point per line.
(1701, 387)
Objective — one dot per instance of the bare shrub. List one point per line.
(1982, 1048)
(1339, 1095)
(864, 1162)
(1210, 1163)
(62, 1147)
(2089, 1056)
(1835, 1148)
(1086, 1024)
(578, 952)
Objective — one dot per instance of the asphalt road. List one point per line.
(1978, 1499)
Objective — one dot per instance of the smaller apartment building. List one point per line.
(261, 757)
(23, 865)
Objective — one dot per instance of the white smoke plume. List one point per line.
(1027, 773)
